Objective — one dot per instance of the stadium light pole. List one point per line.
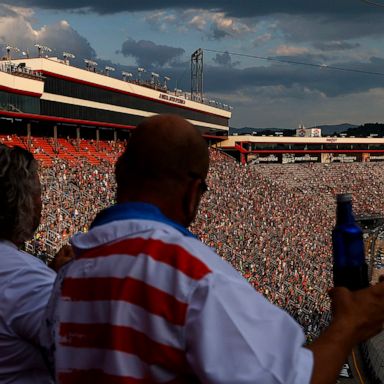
(154, 77)
(166, 79)
(41, 49)
(140, 71)
(127, 76)
(67, 56)
(108, 70)
(9, 49)
(90, 65)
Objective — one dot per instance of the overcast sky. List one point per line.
(235, 35)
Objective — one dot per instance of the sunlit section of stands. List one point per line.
(12, 140)
(71, 150)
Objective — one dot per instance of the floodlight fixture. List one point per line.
(140, 70)
(109, 69)
(154, 76)
(166, 79)
(41, 49)
(126, 75)
(67, 56)
(90, 64)
(9, 49)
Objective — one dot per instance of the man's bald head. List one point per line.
(163, 150)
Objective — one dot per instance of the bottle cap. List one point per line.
(343, 197)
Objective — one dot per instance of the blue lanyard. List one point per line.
(139, 211)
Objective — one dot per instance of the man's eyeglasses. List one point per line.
(204, 187)
(203, 184)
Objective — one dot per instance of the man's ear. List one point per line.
(191, 201)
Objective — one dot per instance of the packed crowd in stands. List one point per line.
(72, 195)
(272, 222)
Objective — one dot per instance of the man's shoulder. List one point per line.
(193, 256)
(160, 241)
(160, 244)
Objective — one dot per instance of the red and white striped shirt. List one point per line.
(143, 303)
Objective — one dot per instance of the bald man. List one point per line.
(144, 301)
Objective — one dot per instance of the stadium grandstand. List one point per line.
(271, 222)
(303, 149)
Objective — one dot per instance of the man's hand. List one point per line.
(357, 316)
(361, 312)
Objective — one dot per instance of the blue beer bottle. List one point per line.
(349, 267)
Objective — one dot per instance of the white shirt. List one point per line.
(220, 330)
(25, 287)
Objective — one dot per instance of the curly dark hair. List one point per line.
(20, 204)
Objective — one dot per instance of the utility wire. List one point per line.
(373, 3)
(322, 66)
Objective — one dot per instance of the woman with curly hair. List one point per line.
(25, 281)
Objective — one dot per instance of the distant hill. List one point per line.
(326, 130)
(365, 130)
(261, 131)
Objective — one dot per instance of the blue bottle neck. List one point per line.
(344, 213)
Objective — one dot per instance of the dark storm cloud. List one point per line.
(276, 80)
(147, 53)
(331, 27)
(224, 59)
(244, 8)
(299, 20)
(331, 83)
(291, 80)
